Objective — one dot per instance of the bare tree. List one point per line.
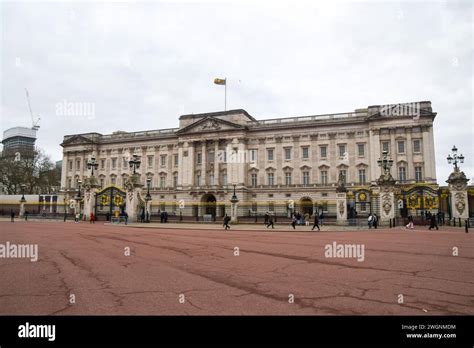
(31, 168)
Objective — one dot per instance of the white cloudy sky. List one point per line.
(142, 64)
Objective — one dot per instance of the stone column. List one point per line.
(458, 190)
(386, 202)
(233, 211)
(64, 171)
(216, 162)
(133, 188)
(386, 183)
(341, 201)
(341, 208)
(22, 208)
(204, 180)
(233, 208)
(90, 189)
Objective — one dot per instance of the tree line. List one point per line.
(32, 168)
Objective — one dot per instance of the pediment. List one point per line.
(77, 140)
(209, 125)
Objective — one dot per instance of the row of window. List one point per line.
(287, 153)
(288, 178)
(342, 150)
(114, 161)
(323, 177)
(401, 146)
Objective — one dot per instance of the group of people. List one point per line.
(269, 220)
(299, 219)
(12, 216)
(434, 220)
(79, 216)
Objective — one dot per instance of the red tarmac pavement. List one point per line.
(89, 261)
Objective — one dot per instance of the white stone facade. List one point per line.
(271, 162)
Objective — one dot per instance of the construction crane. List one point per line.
(35, 124)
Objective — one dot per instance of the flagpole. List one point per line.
(225, 95)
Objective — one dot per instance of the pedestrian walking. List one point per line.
(265, 222)
(376, 221)
(12, 216)
(433, 223)
(370, 221)
(126, 217)
(226, 222)
(293, 221)
(77, 218)
(410, 223)
(26, 215)
(316, 222)
(321, 218)
(65, 217)
(270, 221)
(92, 218)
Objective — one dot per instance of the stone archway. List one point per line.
(209, 205)
(306, 206)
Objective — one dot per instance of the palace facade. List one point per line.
(278, 165)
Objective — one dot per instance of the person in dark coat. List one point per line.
(142, 216)
(270, 221)
(316, 222)
(438, 216)
(26, 215)
(376, 221)
(433, 223)
(265, 222)
(12, 216)
(226, 222)
(293, 222)
(126, 217)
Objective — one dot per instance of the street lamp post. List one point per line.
(386, 190)
(148, 199)
(22, 200)
(458, 198)
(134, 163)
(455, 158)
(385, 163)
(78, 196)
(92, 164)
(233, 207)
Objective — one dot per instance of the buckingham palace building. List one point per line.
(279, 165)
